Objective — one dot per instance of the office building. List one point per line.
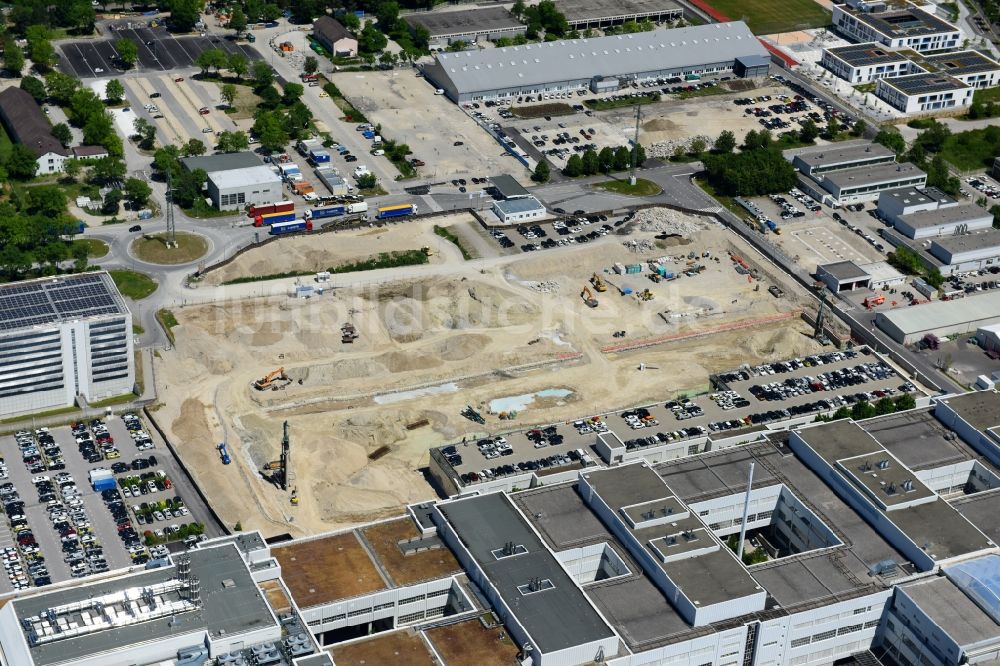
(516, 211)
(855, 172)
(236, 180)
(864, 63)
(927, 92)
(970, 67)
(941, 318)
(571, 65)
(63, 339)
(904, 27)
(25, 123)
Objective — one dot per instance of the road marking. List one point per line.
(83, 58)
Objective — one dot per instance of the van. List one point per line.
(378, 151)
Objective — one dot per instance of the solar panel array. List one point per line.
(46, 301)
(923, 84)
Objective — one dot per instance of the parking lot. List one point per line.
(569, 230)
(158, 50)
(58, 526)
(745, 398)
(180, 107)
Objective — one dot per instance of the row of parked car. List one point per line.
(82, 552)
(39, 451)
(727, 400)
(24, 561)
(665, 437)
(126, 531)
(577, 456)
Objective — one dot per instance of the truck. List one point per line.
(289, 170)
(319, 156)
(290, 227)
(271, 218)
(307, 145)
(279, 207)
(224, 453)
(302, 187)
(399, 210)
(361, 207)
(326, 211)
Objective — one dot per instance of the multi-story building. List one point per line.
(61, 339)
(864, 63)
(905, 26)
(856, 172)
(928, 92)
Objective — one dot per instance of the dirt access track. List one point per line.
(450, 334)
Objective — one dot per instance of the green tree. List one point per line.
(367, 181)
(292, 93)
(228, 93)
(108, 171)
(112, 201)
(22, 163)
(13, 57)
(145, 131)
(165, 160)
(114, 92)
(183, 14)
(623, 158)
(832, 130)
(269, 128)
(310, 65)
(750, 172)
(862, 410)
(238, 65)
(72, 169)
(938, 176)
(188, 187)
(421, 37)
(590, 162)
(884, 406)
(605, 159)
(892, 139)
(194, 147)
(232, 142)
(541, 174)
(47, 200)
(905, 401)
(61, 87)
(237, 21)
(262, 74)
(995, 212)
(809, 131)
(128, 52)
(387, 15)
(371, 41)
(297, 120)
(574, 166)
(269, 98)
(859, 128)
(725, 142)
(34, 87)
(209, 58)
(62, 133)
(137, 192)
(697, 146)
(272, 12)
(518, 9)
(40, 49)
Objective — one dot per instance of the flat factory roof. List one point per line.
(423, 559)
(466, 21)
(579, 11)
(509, 206)
(881, 271)
(327, 568)
(925, 83)
(990, 238)
(52, 300)
(951, 609)
(842, 154)
(231, 605)
(980, 409)
(558, 615)
(872, 175)
(942, 314)
(559, 514)
(867, 54)
(845, 270)
(583, 59)
(909, 22)
(508, 187)
(918, 439)
(221, 162)
(249, 176)
(946, 215)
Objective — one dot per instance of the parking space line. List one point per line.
(186, 51)
(83, 59)
(156, 58)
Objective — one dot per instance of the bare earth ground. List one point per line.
(471, 644)
(467, 331)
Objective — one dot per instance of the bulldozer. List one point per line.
(646, 295)
(588, 297)
(598, 283)
(267, 381)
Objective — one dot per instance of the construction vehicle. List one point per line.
(427, 251)
(224, 453)
(273, 465)
(647, 295)
(267, 381)
(655, 277)
(598, 283)
(588, 297)
(348, 334)
(294, 499)
(872, 301)
(470, 413)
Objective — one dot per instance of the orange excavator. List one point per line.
(588, 297)
(267, 381)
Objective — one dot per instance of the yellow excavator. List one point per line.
(588, 297)
(598, 283)
(267, 381)
(294, 499)
(647, 295)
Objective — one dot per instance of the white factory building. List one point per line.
(62, 339)
(851, 173)
(864, 63)
(925, 213)
(942, 318)
(237, 180)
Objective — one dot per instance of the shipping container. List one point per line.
(326, 211)
(290, 227)
(633, 268)
(271, 218)
(279, 207)
(398, 210)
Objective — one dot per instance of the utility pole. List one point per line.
(635, 145)
(171, 226)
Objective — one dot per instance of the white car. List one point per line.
(439, 91)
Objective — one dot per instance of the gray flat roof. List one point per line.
(524, 205)
(508, 187)
(843, 154)
(942, 314)
(578, 11)
(925, 83)
(952, 610)
(918, 439)
(966, 242)
(872, 175)
(231, 605)
(555, 618)
(981, 510)
(465, 21)
(980, 409)
(247, 176)
(947, 215)
(559, 514)
(639, 612)
(909, 22)
(583, 59)
(960, 62)
(58, 299)
(221, 162)
(845, 270)
(863, 55)
(712, 578)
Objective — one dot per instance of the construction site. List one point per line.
(455, 349)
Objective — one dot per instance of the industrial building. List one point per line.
(466, 25)
(843, 276)
(883, 275)
(988, 337)
(25, 123)
(814, 162)
(516, 211)
(570, 65)
(905, 27)
(236, 180)
(927, 92)
(583, 14)
(334, 37)
(852, 173)
(942, 318)
(944, 221)
(507, 187)
(893, 204)
(63, 339)
(962, 252)
(337, 185)
(864, 63)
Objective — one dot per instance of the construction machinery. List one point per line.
(598, 283)
(286, 456)
(470, 413)
(588, 297)
(224, 453)
(872, 301)
(273, 465)
(428, 252)
(646, 295)
(269, 381)
(348, 334)
(294, 499)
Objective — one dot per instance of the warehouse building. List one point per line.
(814, 162)
(988, 337)
(907, 27)
(927, 92)
(466, 25)
(964, 252)
(236, 180)
(507, 187)
(843, 276)
(944, 221)
(883, 275)
(570, 65)
(843, 174)
(908, 200)
(583, 14)
(942, 318)
(334, 37)
(25, 123)
(62, 339)
(863, 63)
(516, 211)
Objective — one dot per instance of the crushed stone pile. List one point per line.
(668, 221)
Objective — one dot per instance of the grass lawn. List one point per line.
(972, 150)
(770, 16)
(6, 146)
(136, 286)
(703, 92)
(95, 248)
(153, 248)
(984, 95)
(167, 321)
(642, 187)
(114, 400)
(69, 409)
(447, 234)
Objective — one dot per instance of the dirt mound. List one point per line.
(399, 361)
(346, 368)
(461, 347)
(783, 342)
(659, 125)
